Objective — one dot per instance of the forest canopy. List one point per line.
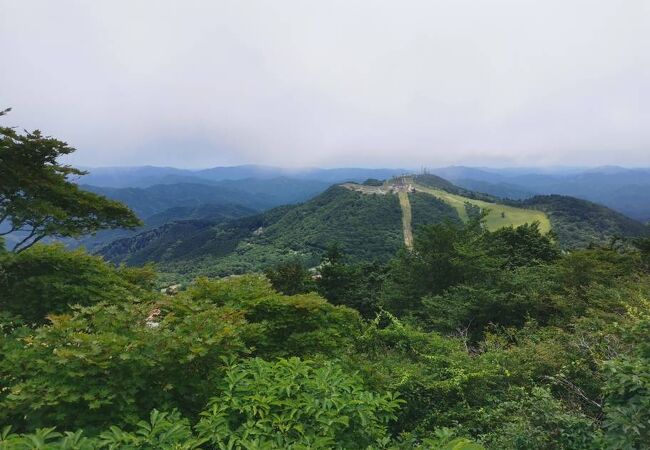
(473, 339)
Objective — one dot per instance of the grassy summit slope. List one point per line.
(462, 201)
(499, 215)
(576, 223)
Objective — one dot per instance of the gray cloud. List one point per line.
(332, 83)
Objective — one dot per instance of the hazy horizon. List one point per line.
(468, 166)
(321, 84)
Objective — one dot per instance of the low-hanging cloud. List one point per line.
(332, 83)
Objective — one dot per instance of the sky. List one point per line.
(332, 83)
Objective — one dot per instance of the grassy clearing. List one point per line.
(406, 218)
(499, 216)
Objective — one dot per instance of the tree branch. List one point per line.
(27, 238)
(38, 238)
(13, 228)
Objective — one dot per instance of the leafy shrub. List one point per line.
(286, 404)
(161, 431)
(290, 278)
(112, 364)
(296, 325)
(535, 420)
(47, 279)
(295, 404)
(627, 390)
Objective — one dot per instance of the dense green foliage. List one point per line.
(427, 209)
(548, 343)
(473, 339)
(291, 404)
(368, 228)
(165, 242)
(358, 286)
(50, 280)
(496, 336)
(290, 278)
(578, 223)
(257, 404)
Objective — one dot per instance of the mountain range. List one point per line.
(622, 189)
(369, 221)
(144, 176)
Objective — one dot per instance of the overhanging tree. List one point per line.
(37, 197)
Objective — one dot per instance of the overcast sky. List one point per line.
(332, 83)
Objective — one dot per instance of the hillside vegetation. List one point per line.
(623, 189)
(210, 213)
(196, 199)
(473, 339)
(499, 214)
(365, 220)
(579, 223)
(548, 354)
(366, 227)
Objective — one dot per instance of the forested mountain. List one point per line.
(396, 315)
(624, 190)
(158, 198)
(165, 203)
(204, 213)
(366, 226)
(578, 223)
(145, 176)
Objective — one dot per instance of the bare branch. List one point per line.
(577, 390)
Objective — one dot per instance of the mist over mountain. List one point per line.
(622, 189)
(145, 176)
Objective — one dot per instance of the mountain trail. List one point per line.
(405, 204)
